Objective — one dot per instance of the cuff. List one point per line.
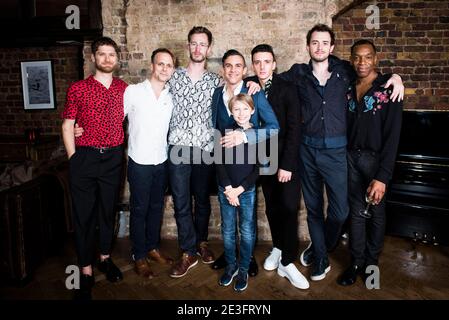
(245, 138)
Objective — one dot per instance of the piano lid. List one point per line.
(424, 134)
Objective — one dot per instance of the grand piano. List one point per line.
(418, 196)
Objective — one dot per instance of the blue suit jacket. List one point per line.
(262, 118)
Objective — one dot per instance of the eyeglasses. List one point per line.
(201, 44)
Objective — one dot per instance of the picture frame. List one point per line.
(38, 85)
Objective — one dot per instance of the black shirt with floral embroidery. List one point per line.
(374, 124)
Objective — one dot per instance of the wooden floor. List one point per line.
(408, 271)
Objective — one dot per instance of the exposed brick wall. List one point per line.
(413, 41)
(141, 26)
(13, 118)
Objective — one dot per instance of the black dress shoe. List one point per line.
(85, 289)
(363, 272)
(219, 263)
(87, 281)
(349, 277)
(253, 267)
(113, 274)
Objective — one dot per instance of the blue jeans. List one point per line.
(247, 225)
(187, 179)
(326, 167)
(147, 184)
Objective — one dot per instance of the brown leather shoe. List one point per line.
(143, 269)
(183, 265)
(159, 257)
(206, 255)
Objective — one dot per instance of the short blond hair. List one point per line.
(241, 97)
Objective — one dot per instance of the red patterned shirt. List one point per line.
(98, 110)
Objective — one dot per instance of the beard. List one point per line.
(197, 60)
(319, 59)
(105, 69)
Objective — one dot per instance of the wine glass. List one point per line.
(365, 212)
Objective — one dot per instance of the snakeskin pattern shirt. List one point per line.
(191, 121)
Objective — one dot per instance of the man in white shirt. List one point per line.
(149, 107)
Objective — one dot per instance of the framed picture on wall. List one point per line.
(38, 85)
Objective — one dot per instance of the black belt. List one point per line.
(101, 149)
(360, 151)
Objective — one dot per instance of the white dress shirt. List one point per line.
(149, 120)
(226, 98)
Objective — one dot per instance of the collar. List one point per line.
(91, 79)
(270, 80)
(237, 90)
(148, 86)
(378, 81)
(147, 82)
(332, 60)
(183, 71)
(236, 126)
(226, 99)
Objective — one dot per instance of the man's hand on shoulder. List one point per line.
(398, 87)
(253, 87)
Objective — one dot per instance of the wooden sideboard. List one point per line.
(35, 216)
(15, 148)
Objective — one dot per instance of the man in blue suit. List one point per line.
(234, 69)
(264, 121)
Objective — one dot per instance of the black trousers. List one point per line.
(282, 202)
(94, 184)
(366, 234)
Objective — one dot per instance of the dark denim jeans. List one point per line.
(326, 167)
(367, 235)
(186, 180)
(147, 184)
(247, 226)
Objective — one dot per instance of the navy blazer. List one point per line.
(283, 97)
(262, 118)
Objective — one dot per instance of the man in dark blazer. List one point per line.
(282, 189)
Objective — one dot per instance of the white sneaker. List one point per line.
(307, 257)
(293, 275)
(272, 261)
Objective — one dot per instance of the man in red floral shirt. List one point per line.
(96, 104)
